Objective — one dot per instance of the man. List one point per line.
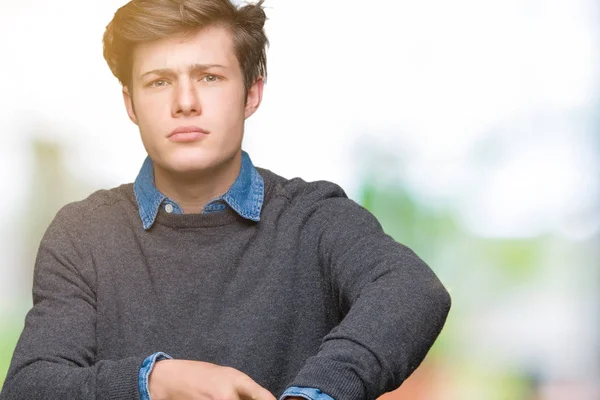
(209, 278)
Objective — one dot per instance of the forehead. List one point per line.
(209, 45)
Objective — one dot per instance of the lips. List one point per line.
(188, 129)
(187, 134)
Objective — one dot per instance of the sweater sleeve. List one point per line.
(55, 357)
(392, 303)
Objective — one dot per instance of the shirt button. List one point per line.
(169, 208)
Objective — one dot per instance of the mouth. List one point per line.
(187, 134)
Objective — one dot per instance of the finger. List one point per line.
(247, 389)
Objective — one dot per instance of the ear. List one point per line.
(128, 99)
(254, 98)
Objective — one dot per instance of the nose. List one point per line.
(186, 101)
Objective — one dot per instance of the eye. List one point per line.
(211, 78)
(158, 83)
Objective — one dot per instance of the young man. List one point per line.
(209, 278)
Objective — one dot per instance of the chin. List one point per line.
(192, 161)
(191, 165)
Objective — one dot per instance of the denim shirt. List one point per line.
(245, 197)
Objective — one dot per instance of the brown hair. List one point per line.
(147, 20)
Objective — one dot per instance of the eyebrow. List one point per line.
(193, 68)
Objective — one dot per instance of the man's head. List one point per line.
(189, 63)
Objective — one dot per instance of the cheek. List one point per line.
(226, 97)
(228, 107)
(150, 110)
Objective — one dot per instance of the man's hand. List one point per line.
(197, 380)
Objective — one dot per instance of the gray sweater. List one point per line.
(313, 295)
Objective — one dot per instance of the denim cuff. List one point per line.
(145, 370)
(307, 393)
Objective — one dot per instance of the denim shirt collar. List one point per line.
(245, 196)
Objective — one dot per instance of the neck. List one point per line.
(193, 191)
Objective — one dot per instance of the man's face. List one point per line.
(191, 82)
